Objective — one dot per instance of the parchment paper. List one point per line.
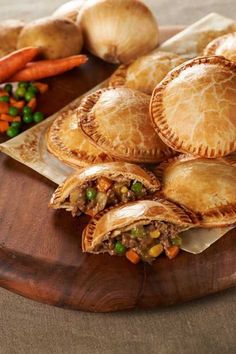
(29, 147)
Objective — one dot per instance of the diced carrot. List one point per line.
(3, 126)
(17, 104)
(6, 117)
(42, 87)
(104, 184)
(91, 212)
(17, 119)
(132, 256)
(32, 104)
(3, 93)
(172, 252)
(4, 107)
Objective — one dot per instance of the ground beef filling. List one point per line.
(96, 195)
(147, 242)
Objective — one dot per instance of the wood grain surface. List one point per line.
(40, 249)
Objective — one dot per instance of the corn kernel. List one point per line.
(155, 234)
(124, 190)
(156, 250)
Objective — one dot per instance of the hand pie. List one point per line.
(145, 72)
(223, 46)
(194, 108)
(206, 186)
(94, 188)
(139, 230)
(117, 121)
(66, 141)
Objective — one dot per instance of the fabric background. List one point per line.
(201, 327)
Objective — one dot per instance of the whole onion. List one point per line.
(118, 31)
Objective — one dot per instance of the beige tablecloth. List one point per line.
(201, 327)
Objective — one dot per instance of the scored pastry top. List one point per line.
(145, 72)
(118, 121)
(194, 108)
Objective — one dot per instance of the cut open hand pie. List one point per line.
(206, 186)
(140, 230)
(94, 188)
(66, 141)
(117, 121)
(194, 108)
(223, 46)
(145, 72)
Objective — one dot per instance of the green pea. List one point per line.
(29, 95)
(16, 124)
(91, 193)
(27, 110)
(13, 111)
(20, 91)
(176, 241)
(23, 84)
(4, 99)
(33, 89)
(137, 187)
(38, 117)
(119, 248)
(13, 131)
(28, 118)
(137, 232)
(8, 88)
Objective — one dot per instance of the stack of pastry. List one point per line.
(153, 153)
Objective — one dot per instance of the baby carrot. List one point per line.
(47, 68)
(12, 63)
(132, 256)
(3, 126)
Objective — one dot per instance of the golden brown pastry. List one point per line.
(145, 72)
(94, 188)
(224, 45)
(206, 186)
(139, 230)
(194, 108)
(117, 121)
(66, 141)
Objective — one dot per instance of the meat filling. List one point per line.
(145, 242)
(94, 196)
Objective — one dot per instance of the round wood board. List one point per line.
(40, 249)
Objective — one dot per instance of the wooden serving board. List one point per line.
(40, 249)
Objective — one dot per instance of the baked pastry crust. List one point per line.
(194, 108)
(66, 141)
(130, 215)
(117, 121)
(223, 45)
(145, 72)
(205, 186)
(111, 170)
